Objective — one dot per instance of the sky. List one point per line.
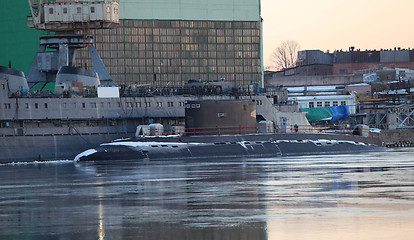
(337, 24)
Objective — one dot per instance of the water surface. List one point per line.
(367, 196)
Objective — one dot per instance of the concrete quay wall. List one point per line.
(396, 138)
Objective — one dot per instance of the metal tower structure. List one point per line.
(68, 24)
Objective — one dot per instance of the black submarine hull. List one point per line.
(248, 145)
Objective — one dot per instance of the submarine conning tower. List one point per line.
(68, 24)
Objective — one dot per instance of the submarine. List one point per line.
(216, 129)
(210, 147)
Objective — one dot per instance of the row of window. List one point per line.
(79, 10)
(94, 105)
(36, 105)
(140, 49)
(190, 24)
(326, 104)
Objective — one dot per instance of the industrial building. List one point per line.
(163, 43)
(316, 62)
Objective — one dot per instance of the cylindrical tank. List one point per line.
(142, 130)
(68, 75)
(266, 127)
(16, 79)
(156, 129)
(213, 117)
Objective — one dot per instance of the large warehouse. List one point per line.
(163, 42)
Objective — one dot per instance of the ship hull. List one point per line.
(49, 147)
(210, 147)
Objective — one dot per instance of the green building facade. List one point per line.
(159, 42)
(18, 43)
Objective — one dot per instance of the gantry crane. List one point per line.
(68, 24)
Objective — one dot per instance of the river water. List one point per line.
(366, 196)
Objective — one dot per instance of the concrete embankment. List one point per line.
(396, 138)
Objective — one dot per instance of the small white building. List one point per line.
(326, 101)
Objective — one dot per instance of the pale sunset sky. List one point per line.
(338, 24)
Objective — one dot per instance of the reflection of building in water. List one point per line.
(182, 202)
(162, 230)
(101, 229)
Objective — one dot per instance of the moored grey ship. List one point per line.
(60, 109)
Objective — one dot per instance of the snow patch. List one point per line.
(84, 154)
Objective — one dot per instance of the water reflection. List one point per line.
(319, 197)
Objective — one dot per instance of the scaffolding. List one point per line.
(404, 116)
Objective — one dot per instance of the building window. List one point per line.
(327, 104)
(108, 10)
(343, 102)
(92, 9)
(159, 104)
(65, 10)
(93, 105)
(147, 104)
(79, 10)
(335, 103)
(170, 104)
(83, 105)
(311, 104)
(36, 105)
(64, 105)
(27, 106)
(45, 105)
(50, 10)
(319, 104)
(7, 106)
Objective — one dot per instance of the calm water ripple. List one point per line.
(368, 196)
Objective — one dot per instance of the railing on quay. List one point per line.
(231, 130)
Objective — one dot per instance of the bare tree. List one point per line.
(285, 55)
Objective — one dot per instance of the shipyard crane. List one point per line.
(68, 24)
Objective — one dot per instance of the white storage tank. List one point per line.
(142, 130)
(156, 129)
(266, 127)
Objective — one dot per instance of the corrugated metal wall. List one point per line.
(395, 56)
(308, 57)
(385, 56)
(18, 43)
(357, 57)
(216, 10)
